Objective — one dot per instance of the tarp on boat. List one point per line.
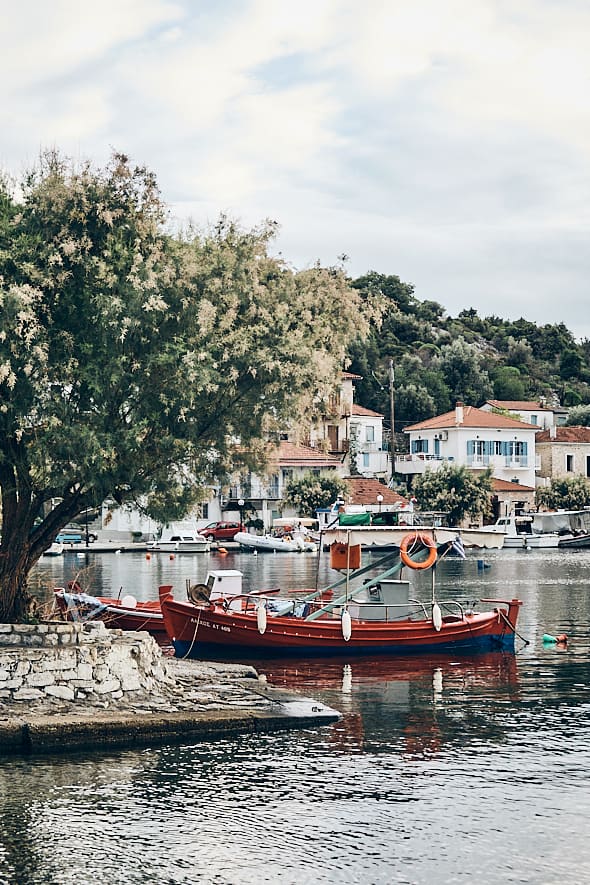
(562, 521)
(354, 519)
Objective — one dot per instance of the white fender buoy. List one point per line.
(129, 602)
(436, 617)
(346, 625)
(261, 617)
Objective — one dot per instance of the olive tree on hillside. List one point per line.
(137, 364)
(454, 490)
(464, 368)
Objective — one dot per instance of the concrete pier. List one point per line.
(82, 687)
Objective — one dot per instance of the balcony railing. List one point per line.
(516, 461)
(475, 461)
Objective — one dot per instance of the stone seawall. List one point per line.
(77, 662)
(82, 686)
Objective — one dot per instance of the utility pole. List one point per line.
(392, 416)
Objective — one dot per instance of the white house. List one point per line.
(474, 438)
(353, 431)
(263, 493)
(531, 412)
(563, 451)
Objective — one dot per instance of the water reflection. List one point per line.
(412, 695)
(442, 769)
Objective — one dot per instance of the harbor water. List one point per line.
(449, 769)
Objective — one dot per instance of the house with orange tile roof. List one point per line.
(563, 451)
(370, 494)
(473, 438)
(348, 440)
(540, 414)
(510, 497)
(353, 431)
(263, 493)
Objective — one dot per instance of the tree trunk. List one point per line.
(16, 603)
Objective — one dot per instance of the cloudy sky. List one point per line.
(445, 141)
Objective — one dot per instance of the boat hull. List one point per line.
(266, 544)
(203, 546)
(195, 630)
(575, 543)
(83, 607)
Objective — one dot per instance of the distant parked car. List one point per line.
(72, 536)
(222, 531)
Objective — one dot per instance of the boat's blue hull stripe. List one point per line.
(479, 644)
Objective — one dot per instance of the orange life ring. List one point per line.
(426, 541)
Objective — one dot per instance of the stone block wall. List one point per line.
(78, 661)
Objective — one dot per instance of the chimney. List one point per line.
(459, 413)
(553, 431)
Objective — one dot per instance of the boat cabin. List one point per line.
(224, 582)
(389, 600)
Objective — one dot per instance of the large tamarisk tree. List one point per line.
(139, 364)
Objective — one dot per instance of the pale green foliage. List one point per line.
(463, 366)
(565, 493)
(579, 416)
(454, 490)
(138, 365)
(313, 492)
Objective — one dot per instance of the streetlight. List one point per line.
(380, 501)
(241, 503)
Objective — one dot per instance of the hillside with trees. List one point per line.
(439, 359)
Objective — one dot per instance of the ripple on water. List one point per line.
(449, 770)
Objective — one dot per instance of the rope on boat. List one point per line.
(502, 615)
(190, 648)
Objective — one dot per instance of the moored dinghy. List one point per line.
(295, 543)
(128, 613)
(377, 616)
(125, 613)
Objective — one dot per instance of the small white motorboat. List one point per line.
(295, 543)
(179, 538)
(56, 549)
(518, 531)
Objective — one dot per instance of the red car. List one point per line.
(222, 531)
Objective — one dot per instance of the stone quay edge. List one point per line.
(79, 686)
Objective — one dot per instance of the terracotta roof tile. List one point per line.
(517, 405)
(565, 435)
(292, 455)
(364, 491)
(504, 485)
(472, 417)
(360, 410)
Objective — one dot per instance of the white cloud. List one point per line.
(425, 139)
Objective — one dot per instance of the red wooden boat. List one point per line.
(126, 613)
(197, 629)
(376, 616)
